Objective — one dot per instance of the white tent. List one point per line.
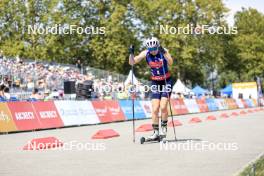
(179, 87)
(129, 79)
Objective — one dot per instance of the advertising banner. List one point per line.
(250, 103)
(202, 105)
(47, 114)
(231, 103)
(244, 103)
(191, 105)
(126, 106)
(147, 107)
(178, 107)
(240, 103)
(255, 102)
(76, 112)
(246, 90)
(24, 116)
(6, 121)
(108, 111)
(211, 104)
(221, 104)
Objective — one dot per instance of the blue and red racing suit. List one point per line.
(159, 72)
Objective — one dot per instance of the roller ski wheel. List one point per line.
(163, 139)
(143, 140)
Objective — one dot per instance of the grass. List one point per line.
(259, 168)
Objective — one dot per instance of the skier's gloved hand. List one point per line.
(162, 50)
(132, 49)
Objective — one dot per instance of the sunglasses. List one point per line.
(153, 49)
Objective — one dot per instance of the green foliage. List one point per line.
(258, 166)
(250, 42)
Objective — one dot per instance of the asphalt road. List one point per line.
(210, 148)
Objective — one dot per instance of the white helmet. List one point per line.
(152, 42)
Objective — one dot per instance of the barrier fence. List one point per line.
(25, 116)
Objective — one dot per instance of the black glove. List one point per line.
(162, 50)
(132, 49)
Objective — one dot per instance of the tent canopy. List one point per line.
(197, 90)
(179, 87)
(227, 90)
(129, 79)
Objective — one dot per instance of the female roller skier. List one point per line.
(158, 59)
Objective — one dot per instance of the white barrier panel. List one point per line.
(147, 107)
(221, 103)
(239, 103)
(191, 105)
(76, 112)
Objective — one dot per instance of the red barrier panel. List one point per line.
(115, 110)
(24, 115)
(202, 105)
(244, 103)
(47, 114)
(178, 107)
(6, 121)
(108, 111)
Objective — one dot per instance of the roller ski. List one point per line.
(156, 136)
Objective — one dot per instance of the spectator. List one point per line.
(121, 94)
(47, 95)
(2, 87)
(6, 93)
(79, 65)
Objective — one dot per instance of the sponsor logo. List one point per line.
(4, 117)
(147, 108)
(128, 109)
(76, 112)
(48, 114)
(101, 110)
(114, 111)
(24, 115)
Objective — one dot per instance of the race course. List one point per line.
(120, 156)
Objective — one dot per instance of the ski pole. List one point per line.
(168, 99)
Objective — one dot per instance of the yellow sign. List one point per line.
(246, 85)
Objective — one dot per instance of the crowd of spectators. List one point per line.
(44, 81)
